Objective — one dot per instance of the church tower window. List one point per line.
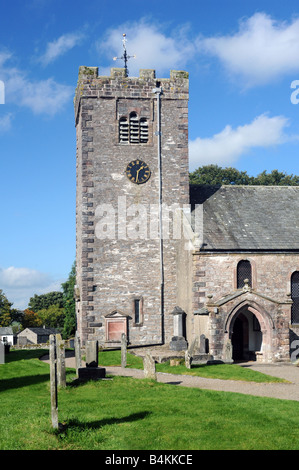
(123, 130)
(133, 130)
(143, 131)
(244, 272)
(295, 297)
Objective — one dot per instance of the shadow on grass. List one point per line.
(24, 354)
(26, 381)
(75, 424)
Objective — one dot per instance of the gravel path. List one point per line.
(287, 391)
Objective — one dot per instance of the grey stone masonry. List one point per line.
(118, 255)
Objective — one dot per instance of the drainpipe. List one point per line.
(158, 91)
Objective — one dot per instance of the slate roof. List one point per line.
(248, 217)
(42, 331)
(6, 330)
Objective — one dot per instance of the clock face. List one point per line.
(138, 172)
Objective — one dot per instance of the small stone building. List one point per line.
(35, 335)
(153, 251)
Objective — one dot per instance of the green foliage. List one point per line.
(44, 301)
(69, 304)
(215, 175)
(6, 312)
(52, 317)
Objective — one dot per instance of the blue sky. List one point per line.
(242, 57)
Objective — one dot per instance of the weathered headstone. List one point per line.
(123, 350)
(178, 342)
(2, 353)
(149, 366)
(53, 381)
(78, 352)
(199, 352)
(188, 360)
(61, 376)
(228, 352)
(92, 354)
(91, 371)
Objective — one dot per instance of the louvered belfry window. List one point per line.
(244, 272)
(134, 130)
(295, 297)
(123, 130)
(143, 131)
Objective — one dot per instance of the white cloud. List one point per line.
(227, 146)
(19, 284)
(42, 97)
(262, 50)
(5, 122)
(60, 46)
(153, 49)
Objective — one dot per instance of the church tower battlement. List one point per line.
(132, 159)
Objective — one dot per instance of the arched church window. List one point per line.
(295, 297)
(244, 272)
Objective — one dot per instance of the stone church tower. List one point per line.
(132, 177)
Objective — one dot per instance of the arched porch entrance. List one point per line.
(250, 332)
(247, 337)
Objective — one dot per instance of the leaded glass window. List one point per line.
(295, 297)
(244, 272)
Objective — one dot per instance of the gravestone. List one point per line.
(199, 352)
(2, 353)
(178, 342)
(188, 360)
(228, 352)
(60, 346)
(149, 367)
(91, 371)
(78, 352)
(123, 350)
(92, 354)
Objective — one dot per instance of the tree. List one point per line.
(52, 317)
(69, 304)
(44, 301)
(6, 311)
(31, 319)
(215, 175)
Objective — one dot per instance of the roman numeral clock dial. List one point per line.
(138, 172)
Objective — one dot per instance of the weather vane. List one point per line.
(125, 57)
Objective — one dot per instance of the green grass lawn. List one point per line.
(219, 371)
(124, 413)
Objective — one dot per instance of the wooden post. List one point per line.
(53, 381)
(123, 350)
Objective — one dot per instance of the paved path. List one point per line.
(287, 391)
